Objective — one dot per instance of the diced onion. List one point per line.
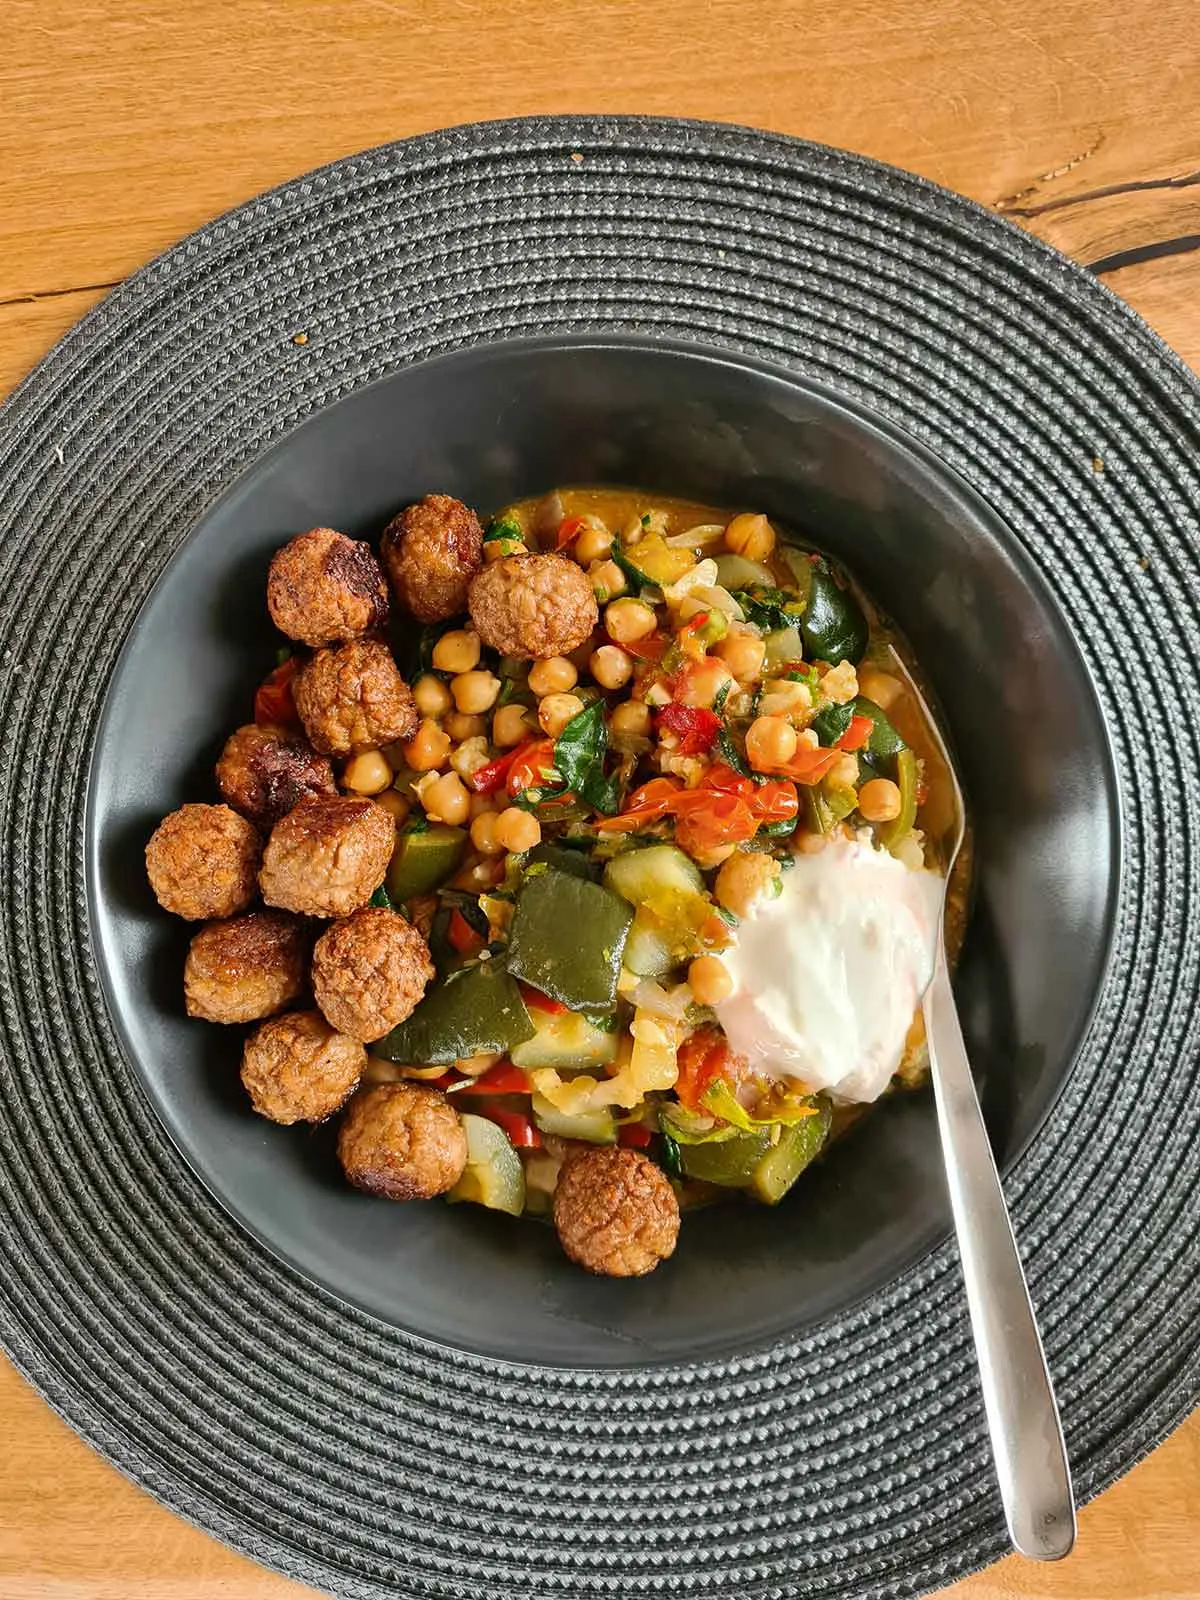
(704, 533)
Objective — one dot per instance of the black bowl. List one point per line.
(490, 424)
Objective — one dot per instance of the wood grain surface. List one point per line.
(124, 125)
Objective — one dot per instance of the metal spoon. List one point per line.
(1022, 1416)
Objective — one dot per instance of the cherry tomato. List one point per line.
(273, 703)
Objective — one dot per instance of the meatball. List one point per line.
(403, 1141)
(296, 1068)
(202, 862)
(615, 1212)
(533, 605)
(264, 772)
(353, 698)
(369, 972)
(327, 857)
(245, 968)
(323, 587)
(432, 551)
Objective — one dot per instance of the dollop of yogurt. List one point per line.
(828, 974)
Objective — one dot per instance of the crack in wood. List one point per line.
(1184, 180)
(33, 296)
(1182, 245)
(1007, 203)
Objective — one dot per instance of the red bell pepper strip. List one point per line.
(492, 778)
(462, 936)
(533, 767)
(539, 1001)
(521, 1131)
(503, 1078)
(273, 703)
(569, 530)
(696, 727)
(651, 648)
(634, 1135)
(856, 735)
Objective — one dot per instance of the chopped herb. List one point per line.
(416, 824)
(778, 830)
(645, 519)
(506, 528)
(668, 1156)
(636, 580)
(731, 755)
(829, 725)
(727, 916)
(721, 696)
(382, 899)
(536, 869)
(283, 654)
(509, 689)
(769, 608)
(604, 1021)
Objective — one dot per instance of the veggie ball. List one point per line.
(432, 550)
(264, 772)
(353, 698)
(202, 862)
(615, 1212)
(245, 968)
(402, 1141)
(323, 587)
(369, 971)
(327, 857)
(296, 1068)
(533, 606)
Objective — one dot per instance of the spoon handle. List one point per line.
(1027, 1441)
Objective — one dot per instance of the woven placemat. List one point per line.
(853, 1461)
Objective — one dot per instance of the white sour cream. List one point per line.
(827, 976)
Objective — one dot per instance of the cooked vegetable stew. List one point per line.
(598, 853)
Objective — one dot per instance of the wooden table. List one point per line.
(123, 125)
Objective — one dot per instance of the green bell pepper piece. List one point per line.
(567, 938)
(907, 775)
(833, 626)
(421, 861)
(473, 1010)
(731, 1162)
(784, 1162)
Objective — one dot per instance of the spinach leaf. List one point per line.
(382, 899)
(579, 753)
(829, 725)
(730, 754)
(636, 580)
(769, 608)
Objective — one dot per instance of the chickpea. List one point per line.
(510, 725)
(593, 544)
(482, 803)
(368, 773)
(879, 800)
(475, 691)
(432, 696)
(394, 804)
(709, 980)
(517, 830)
(770, 742)
(743, 654)
(446, 799)
(701, 686)
(465, 725)
(556, 710)
(631, 718)
(628, 620)
(483, 834)
(879, 686)
(607, 580)
(745, 877)
(428, 748)
(457, 651)
(750, 536)
(611, 667)
(554, 675)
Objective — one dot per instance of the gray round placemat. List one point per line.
(853, 1461)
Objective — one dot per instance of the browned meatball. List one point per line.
(353, 698)
(369, 971)
(327, 857)
(202, 862)
(533, 606)
(264, 772)
(403, 1141)
(245, 968)
(296, 1068)
(324, 587)
(432, 551)
(615, 1212)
